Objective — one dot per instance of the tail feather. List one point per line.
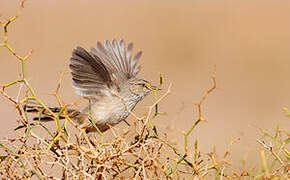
(44, 115)
(44, 118)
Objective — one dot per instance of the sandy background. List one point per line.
(248, 41)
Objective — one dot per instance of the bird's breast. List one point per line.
(112, 110)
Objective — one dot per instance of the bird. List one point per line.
(107, 76)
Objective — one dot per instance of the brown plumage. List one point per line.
(107, 75)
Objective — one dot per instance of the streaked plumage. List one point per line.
(107, 74)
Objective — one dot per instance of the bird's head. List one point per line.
(140, 87)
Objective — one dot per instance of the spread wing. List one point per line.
(111, 64)
(117, 58)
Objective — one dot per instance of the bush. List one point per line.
(140, 151)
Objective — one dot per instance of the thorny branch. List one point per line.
(139, 153)
(270, 149)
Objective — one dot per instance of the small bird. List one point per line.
(107, 76)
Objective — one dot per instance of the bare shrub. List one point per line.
(140, 151)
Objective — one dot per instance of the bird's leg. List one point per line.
(83, 131)
(127, 122)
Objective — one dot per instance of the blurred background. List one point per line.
(248, 41)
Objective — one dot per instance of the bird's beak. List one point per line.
(154, 88)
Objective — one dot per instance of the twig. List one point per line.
(270, 149)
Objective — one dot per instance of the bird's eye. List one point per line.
(142, 84)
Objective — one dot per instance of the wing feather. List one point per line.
(89, 74)
(129, 55)
(135, 61)
(118, 59)
(112, 55)
(122, 52)
(109, 64)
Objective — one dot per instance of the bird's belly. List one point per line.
(111, 113)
